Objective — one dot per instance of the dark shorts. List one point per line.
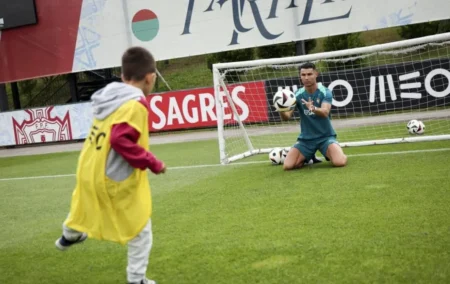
(309, 147)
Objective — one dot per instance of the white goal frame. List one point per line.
(219, 85)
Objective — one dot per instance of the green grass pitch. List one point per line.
(385, 218)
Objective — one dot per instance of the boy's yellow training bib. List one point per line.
(103, 208)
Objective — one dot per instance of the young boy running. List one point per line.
(112, 198)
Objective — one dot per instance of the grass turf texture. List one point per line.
(383, 218)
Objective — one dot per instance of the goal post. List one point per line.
(376, 90)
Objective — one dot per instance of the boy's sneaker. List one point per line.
(144, 281)
(63, 243)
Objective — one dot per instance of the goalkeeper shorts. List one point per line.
(308, 148)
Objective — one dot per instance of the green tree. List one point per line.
(424, 29)
(444, 26)
(283, 49)
(231, 56)
(343, 42)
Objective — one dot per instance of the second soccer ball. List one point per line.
(415, 126)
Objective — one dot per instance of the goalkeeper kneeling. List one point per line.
(313, 102)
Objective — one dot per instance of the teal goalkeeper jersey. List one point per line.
(313, 126)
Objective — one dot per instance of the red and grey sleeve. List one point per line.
(124, 141)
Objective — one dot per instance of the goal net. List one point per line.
(376, 91)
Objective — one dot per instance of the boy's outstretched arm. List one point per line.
(124, 141)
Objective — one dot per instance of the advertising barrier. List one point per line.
(185, 109)
(378, 89)
(370, 90)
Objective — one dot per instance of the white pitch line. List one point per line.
(247, 163)
(37, 177)
(400, 152)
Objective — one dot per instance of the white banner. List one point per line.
(179, 28)
(48, 124)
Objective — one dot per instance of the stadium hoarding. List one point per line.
(411, 85)
(196, 108)
(372, 90)
(43, 49)
(78, 35)
(46, 124)
(174, 110)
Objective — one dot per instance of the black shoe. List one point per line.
(63, 243)
(316, 160)
(313, 160)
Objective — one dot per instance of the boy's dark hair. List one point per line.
(308, 65)
(137, 62)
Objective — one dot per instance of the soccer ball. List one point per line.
(276, 156)
(283, 100)
(415, 127)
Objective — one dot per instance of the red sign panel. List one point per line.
(46, 48)
(196, 108)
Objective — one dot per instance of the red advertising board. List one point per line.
(46, 48)
(196, 108)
